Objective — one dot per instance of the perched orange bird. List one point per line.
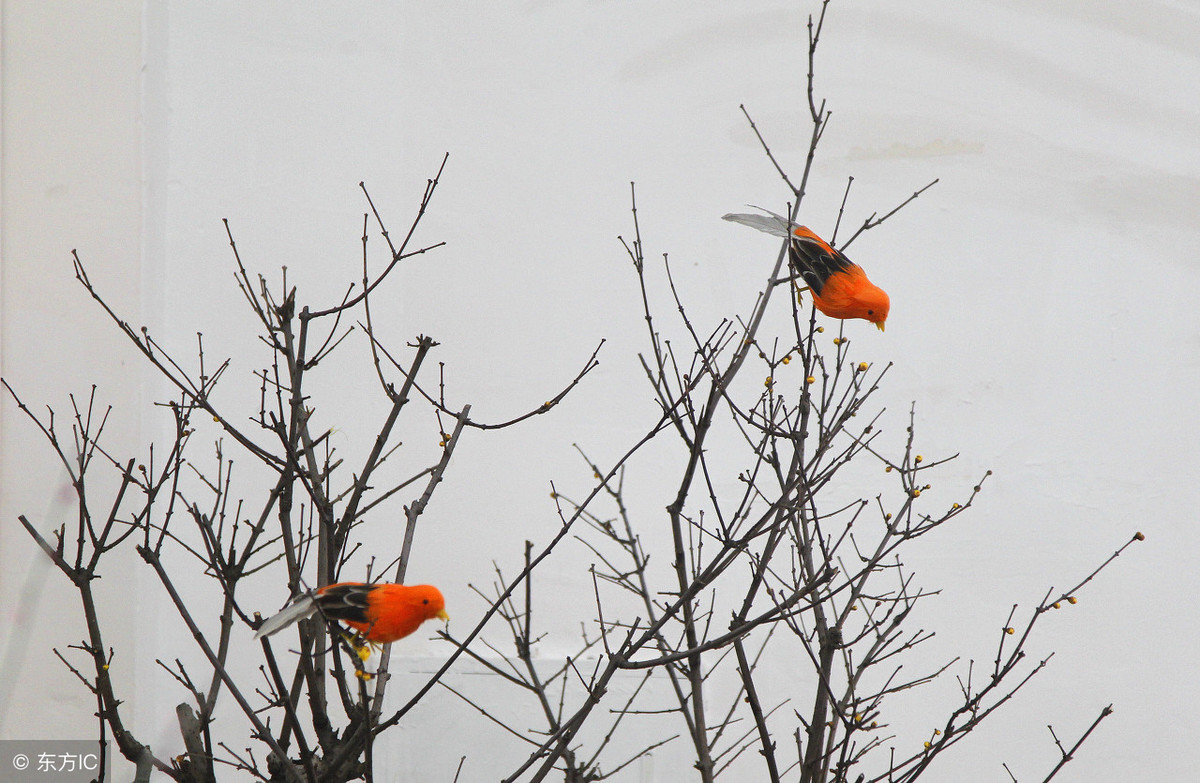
(840, 287)
(382, 613)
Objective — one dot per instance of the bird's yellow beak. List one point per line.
(880, 325)
(441, 615)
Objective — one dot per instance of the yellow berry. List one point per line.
(1072, 599)
(837, 341)
(1009, 631)
(919, 458)
(888, 469)
(596, 475)
(767, 382)
(916, 493)
(216, 418)
(874, 723)
(956, 506)
(810, 379)
(787, 359)
(1138, 535)
(1058, 605)
(928, 745)
(862, 366)
(820, 328)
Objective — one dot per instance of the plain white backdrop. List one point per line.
(1043, 295)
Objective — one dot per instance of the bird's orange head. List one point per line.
(875, 305)
(431, 601)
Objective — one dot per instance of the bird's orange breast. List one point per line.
(395, 611)
(849, 294)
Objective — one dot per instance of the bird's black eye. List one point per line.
(870, 312)
(426, 601)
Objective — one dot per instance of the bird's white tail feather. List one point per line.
(297, 610)
(776, 225)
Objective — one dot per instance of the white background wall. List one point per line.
(1043, 292)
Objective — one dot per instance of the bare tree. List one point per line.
(783, 566)
(792, 567)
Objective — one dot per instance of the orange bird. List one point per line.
(381, 612)
(839, 286)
